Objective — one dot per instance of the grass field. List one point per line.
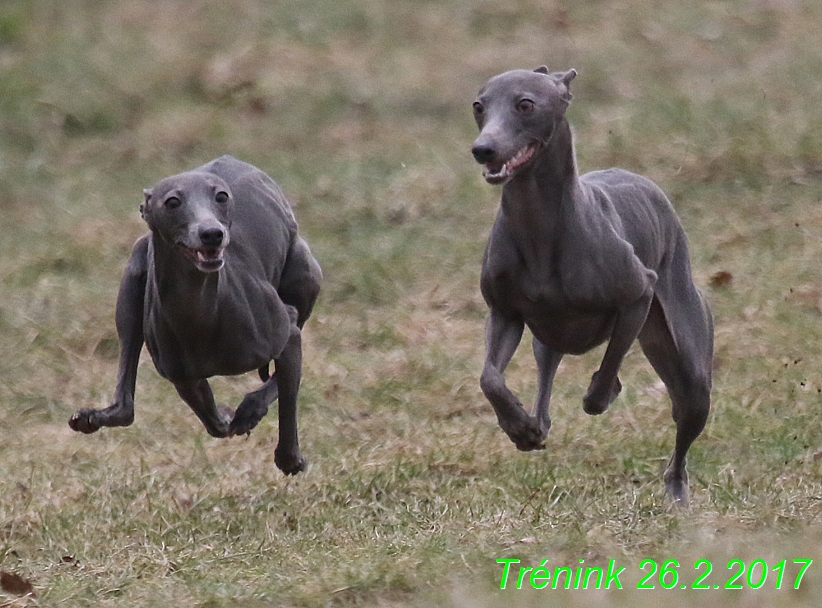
(361, 110)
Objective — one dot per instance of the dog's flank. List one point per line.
(582, 260)
(221, 285)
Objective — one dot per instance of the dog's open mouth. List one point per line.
(499, 173)
(205, 259)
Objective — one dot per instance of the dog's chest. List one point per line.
(567, 320)
(223, 337)
(554, 284)
(524, 292)
(539, 292)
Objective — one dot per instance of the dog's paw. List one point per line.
(677, 487)
(247, 416)
(219, 428)
(84, 421)
(526, 433)
(599, 397)
(529, 444)
(91, 420)
(289, 463)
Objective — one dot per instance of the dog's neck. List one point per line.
(182, 288)
(533, 201)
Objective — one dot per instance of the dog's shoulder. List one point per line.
(634, 198)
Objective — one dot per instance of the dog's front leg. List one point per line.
(253, 407)
(197, 394)
(129, 322)
(503, 335)
(605, 385)
(547, 364)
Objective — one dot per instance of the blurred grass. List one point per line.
(360, 109)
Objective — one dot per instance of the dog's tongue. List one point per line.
(494, 168)
(208, 255)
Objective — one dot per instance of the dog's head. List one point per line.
(191, 213)
(517, 113)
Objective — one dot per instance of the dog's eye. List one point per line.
(478, 109)
(222, 197)
(525, 106)
(172, 202)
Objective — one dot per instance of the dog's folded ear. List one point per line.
(543, 69)
(147, 194)
(564, 80)
(568, 76)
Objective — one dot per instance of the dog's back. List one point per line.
(639, 211)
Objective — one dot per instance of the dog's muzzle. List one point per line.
(500, 172)
(209, 256)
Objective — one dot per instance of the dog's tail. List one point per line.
(264, 373)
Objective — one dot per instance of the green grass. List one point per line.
(360, 109)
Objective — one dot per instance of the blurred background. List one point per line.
(361, 111)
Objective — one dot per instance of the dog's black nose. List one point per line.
(483, 153)
(211, 237)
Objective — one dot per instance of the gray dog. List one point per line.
(222, 285)
(581, 260)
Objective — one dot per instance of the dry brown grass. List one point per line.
(360, 109)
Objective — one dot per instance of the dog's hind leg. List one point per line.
(547, 364)
(684, 366)
(300, 282)
(298, 289)
(502, 339)
(288, 372)
(197, 394)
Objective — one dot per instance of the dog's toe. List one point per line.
(245, 419)
(82, 422)
(593, 406)
(530, 439)
(529, 445)
(526, 434)
(289, 463)
(598, 398)
(677, 487)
